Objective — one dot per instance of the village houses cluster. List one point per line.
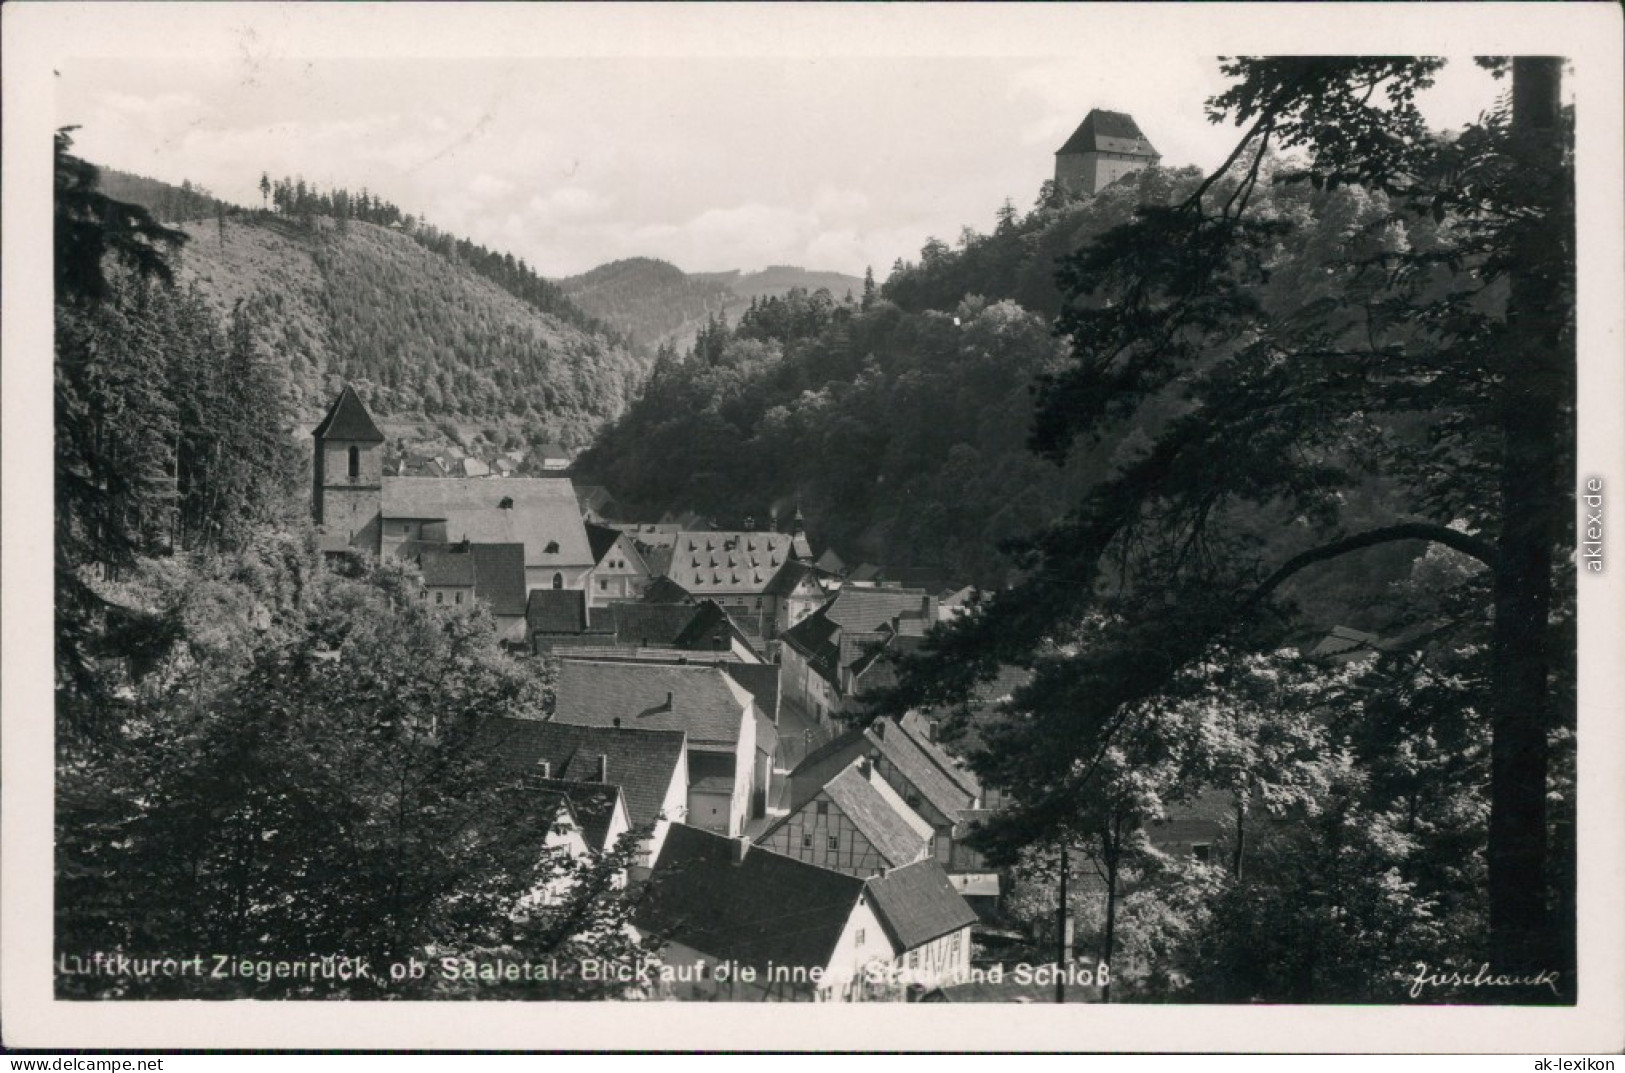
(708, 681)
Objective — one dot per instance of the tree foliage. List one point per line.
(1415, 382)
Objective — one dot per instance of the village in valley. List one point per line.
(1114, 606)
(711, 702)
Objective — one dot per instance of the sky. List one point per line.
(713, 162)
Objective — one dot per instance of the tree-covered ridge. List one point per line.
(659, 305)
(428, 337)
(899, 420)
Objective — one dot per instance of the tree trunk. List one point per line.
(1532, 421)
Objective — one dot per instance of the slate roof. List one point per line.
(594, 806)
(499, 576)
(542, 511)
(657, 559)
(1108, 132)
(704, 702)
(761, 681)
(830, 561)
(641, 762)
(348, 419)
(917, 903)
(766, 908)
(731, 562)
(556, 611)
(710, 619)
(442, 566)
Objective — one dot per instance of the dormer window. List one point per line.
(552, 548)
(507, 503)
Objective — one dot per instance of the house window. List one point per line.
(603, 584)
(823, 808)
(914, 958)
(806, 841)
(857, 940)
(558, 581)
(834, 842)
(439, 597)
(355, 462)
(459, 598)
(1202, 851)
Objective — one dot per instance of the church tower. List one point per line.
(348, 491)
(1105, 147)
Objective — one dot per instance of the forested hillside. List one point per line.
(900, 422)
(445, 338)
(657, 304)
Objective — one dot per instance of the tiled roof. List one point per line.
(731, 562)
(658, 559)
(702, 701)
(1108, 132)
(348, 419)
(710, 621)
(830, 561)
(442, 566)
(499, 576)
(663, 590)
(541, 513)
(594, 805)
(875, 817)
(641, 762)
(917, 903)
(766, 908)
(556, 611)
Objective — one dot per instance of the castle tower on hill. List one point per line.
(349, 475)
(1105, 147)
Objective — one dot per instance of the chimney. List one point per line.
(617, 722)
(669, 706)
(546, 768)
(879, 728)
(741, 846)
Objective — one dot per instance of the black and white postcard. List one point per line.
(520, 520)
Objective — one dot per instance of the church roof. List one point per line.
(539, 512)
(1108, 132)
(349, 420)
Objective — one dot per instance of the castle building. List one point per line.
(358, 509)
(1105, 147)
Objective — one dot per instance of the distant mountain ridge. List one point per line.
(654, 302)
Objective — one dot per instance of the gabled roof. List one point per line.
(731, 562)
(917, 903)
(499, 576)
(869, 609)
(761, 681)
(1108, 132)
(594, 804)
(711, 620)
(905, 755)
(830, 561)
(702, 701)
(601, 538)
(767, 908)
(348, 419)
(541, 513)
(641, 762)
(556, 611)
(875, 816)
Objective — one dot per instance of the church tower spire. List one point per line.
(348, 487)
